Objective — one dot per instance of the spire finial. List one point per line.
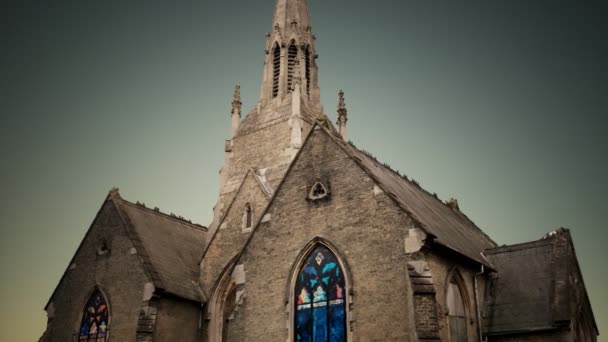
(341, 115)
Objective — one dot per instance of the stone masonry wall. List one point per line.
(177, 320)
(118, 274)
(230, 238)
(365, 226)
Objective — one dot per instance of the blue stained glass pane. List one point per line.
(303, 325)
(320, 323)
(320, 314)
(337, 323)
(94, 319)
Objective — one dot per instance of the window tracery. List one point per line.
(320, 299)
(318, 191)
(94, 326)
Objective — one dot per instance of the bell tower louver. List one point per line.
(290, 40)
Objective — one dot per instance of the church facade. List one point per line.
(312, 239)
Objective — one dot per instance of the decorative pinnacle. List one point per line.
(341, 115)
(236, 99)
(341, 104)
(341, 107)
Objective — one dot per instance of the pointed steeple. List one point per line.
(291, 39)
(341, 115)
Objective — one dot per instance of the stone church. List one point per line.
(312, 239)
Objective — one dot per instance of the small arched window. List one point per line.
(276, 69)
(292, 54)
(456, 310)
(247, 217)
(95, 319)
(320, 298)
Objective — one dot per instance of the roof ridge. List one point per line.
(172, 216)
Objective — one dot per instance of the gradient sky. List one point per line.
(501, 104)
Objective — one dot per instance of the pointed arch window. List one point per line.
(95, 319)
(276, 69)
(320, 299)
(292, 54)
(456, 310)
(247, 217)
(307, 61)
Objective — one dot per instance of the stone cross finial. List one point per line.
(341, 115)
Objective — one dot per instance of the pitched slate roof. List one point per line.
(450, 227)
(537, 287)
(170, 247)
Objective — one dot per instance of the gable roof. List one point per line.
(170, 247)
(266, 190)
(538, 286)
(449, 227)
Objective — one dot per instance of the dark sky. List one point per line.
(501, 104)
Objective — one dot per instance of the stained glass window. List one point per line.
(94, 326)
(320, 299)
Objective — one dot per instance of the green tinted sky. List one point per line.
(502, 104)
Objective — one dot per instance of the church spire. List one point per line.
(291, 39)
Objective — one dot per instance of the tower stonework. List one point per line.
(270, 135)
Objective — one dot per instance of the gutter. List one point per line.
(478, 311)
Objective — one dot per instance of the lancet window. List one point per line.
(276, 69)
(307, 61)
(320, 299)
(247, 217)
(456, 311)
(292, 54)
(94, 326)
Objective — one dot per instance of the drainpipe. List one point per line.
(480, 332)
